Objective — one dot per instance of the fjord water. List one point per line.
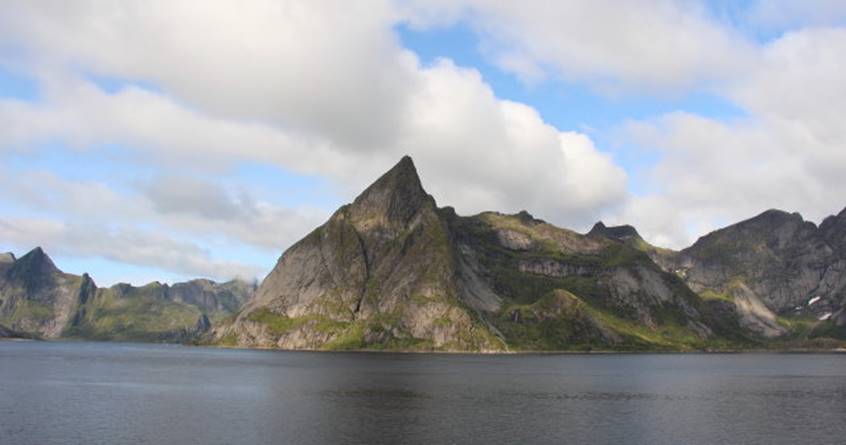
(108, 393)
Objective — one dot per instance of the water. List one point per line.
(110, 393)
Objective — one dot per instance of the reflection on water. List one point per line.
(57, 393)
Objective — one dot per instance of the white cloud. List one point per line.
(318, 88)
(175, 226)
(656, 45)
(311, 87)
(477, 152)
(789, 153)
(125, 245)
(325, 67)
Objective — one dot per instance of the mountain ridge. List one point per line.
(393, 271)
(38, 300)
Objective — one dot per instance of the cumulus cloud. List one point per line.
(189, 196)
(477, 152)
(127, 245)
(788, 153)
(305, 87)
(326, 67)
(656, 45)
(175, 224)
(317, 88)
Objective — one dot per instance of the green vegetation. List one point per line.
(828, 329)
(709, 294)
(808, 328)
(229, 340)
(134, 316)
(31, 310)
(617, 255)
(277, 324)
(350, 338)
(563, 321)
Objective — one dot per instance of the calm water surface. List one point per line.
(110, 393)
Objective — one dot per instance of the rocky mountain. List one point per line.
(37, 299)
(391, 270)
(785, 275)
(629, 236)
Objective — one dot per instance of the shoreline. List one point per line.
(798, 351)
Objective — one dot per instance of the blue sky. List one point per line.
(208, 152)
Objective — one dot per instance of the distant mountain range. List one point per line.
(392, 271)
(40, 301)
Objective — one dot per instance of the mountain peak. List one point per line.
(7, 257)
(33, 268)
(37, 259)
(775, 216)
(833, 229)
(619, 233)
(396, 195)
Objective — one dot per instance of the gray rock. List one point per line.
(391, 270)
(38, 299)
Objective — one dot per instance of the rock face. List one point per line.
(379, 272)
(392, 270)
(776, 267)
(37, 299)
(212, 297)
(623, 234)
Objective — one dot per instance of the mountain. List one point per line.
(785, 275)
(37, 299)
(392, 270)
(629, 236)
(36, 296)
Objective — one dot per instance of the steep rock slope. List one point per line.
(784, 274)
(391, 270)
(631, 302)
(36, 297)
(629, 236)
(379, 272)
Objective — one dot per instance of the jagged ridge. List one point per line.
(391, 270)
(39, 300)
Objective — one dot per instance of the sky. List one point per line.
(170, 140)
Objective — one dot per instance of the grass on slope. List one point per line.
(360, 334)
(35, 311)
(540, 330)
(135, 317)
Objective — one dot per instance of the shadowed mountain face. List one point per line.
(391, 270)
(623, 234)
(36, 296)
(37, 299)
(783, 273)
